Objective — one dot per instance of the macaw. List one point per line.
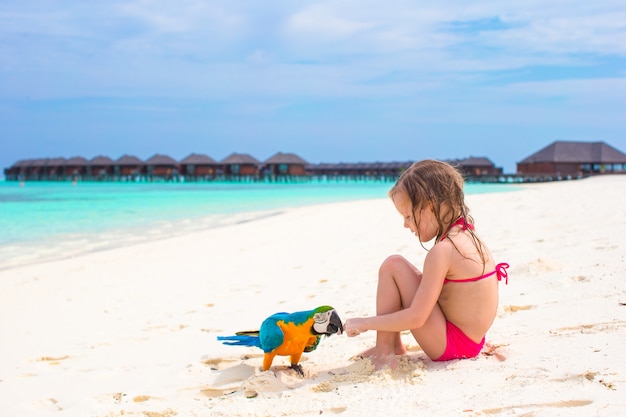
(289, 334)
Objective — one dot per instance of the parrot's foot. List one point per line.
(298, 368)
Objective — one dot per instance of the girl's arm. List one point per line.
(436, 267)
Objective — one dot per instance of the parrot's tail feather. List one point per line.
(239, 340)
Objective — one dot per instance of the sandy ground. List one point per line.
(132, 331)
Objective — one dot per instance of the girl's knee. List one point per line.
(393, 262)
(398, 267)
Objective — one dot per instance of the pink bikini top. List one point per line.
(500, 269)
(500, 272)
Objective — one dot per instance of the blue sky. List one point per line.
(333, 81)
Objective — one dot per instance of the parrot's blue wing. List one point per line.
(270, 335)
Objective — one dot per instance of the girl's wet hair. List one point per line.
(436, 185)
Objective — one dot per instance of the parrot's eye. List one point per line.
(320, 317)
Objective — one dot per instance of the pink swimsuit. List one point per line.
(458, 345)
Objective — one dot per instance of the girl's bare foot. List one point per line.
(365, 354)
(399, 350)
(383, 359)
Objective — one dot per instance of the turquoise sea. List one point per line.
(42, 221)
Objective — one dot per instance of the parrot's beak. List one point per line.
(334, 325)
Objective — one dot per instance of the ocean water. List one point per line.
(41, 221)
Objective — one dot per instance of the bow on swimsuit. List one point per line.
(458, 344)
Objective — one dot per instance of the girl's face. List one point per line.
(422, 223)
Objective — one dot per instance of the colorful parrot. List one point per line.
(289, 334)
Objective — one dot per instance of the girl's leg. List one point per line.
(398, 281)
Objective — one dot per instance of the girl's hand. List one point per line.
(353, 327)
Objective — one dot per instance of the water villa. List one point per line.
(560, 160)
(240, 165)
(198, 166)
(573, 159)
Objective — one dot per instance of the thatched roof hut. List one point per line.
(126, 160)
(75, 166)
(54, 167)
(285, 158)
(37, 167)
(161, 166)
(285, 164)
(77, 161)
(128, 165)
(476, 166)
(158, 159)
(18, 169)
(101, 161)
(574, 158)
(240, 164)
(198, 159)
(101, 166)
(240, 158)
(360, 169)
(198, 165)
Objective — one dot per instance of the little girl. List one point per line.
(451, 304)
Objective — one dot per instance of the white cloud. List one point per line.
(182, 15)
(279, 48)
(602, 33)
(319, 21)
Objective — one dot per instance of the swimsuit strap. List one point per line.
(500, 272)
(461, 221)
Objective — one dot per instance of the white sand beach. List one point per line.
(132, 331)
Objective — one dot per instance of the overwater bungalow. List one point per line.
(18, 170)
(75, 167)
(101, 167)
(240, 165)
(573, 159)
(161, 166)
(128, 166)
(476, 166)
(37, 168)
(559, 160)
(375, 170)
(387, 169)
(33, 169)
(54, 168)
(197, 166)
(284, 164)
